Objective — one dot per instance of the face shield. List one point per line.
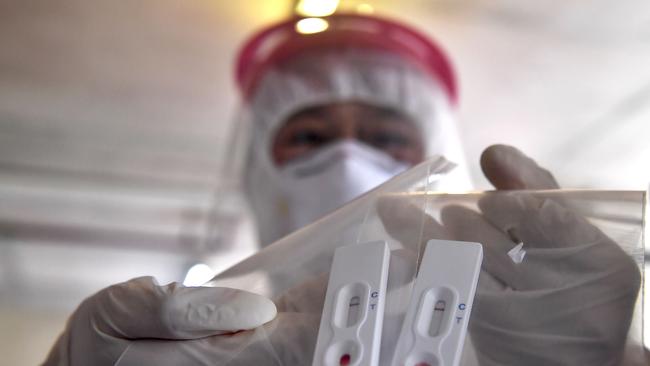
(344, 65)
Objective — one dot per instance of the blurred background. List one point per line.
(114, 116)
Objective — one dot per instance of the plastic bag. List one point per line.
(575, 298)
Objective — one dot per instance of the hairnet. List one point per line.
(331, 75)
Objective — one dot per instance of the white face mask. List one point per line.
(331, 177)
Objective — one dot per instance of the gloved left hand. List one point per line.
(570, 301)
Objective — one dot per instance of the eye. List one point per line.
(308, 138)
(390, 140)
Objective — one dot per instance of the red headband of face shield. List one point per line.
(280, 42)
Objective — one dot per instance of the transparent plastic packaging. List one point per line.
(575, 298)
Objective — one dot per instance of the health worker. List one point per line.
(332, 115)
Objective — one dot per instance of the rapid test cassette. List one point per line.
(350, 326)
(436, 320)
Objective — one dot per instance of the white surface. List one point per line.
(359, 271)
(436, 320)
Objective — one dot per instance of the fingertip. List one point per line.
(513, 204)
(499, 164)
(459, 221)
(396, 207)
(497, 153)
(508, 168)
(451, 213)
(267, 310)
(496, 150)
(245, 310)
(498, 201)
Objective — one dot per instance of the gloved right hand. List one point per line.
(108, 327)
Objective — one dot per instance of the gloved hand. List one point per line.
(133, 323)
(289, 339)
(570, 301)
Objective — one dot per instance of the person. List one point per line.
(340, 112)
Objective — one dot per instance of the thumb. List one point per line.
(508, 168)
(140, 308)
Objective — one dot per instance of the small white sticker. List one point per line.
(517, 253)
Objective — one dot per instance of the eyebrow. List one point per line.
(316, 111)
(384, 114)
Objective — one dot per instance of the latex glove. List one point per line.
(110, 327)
(570, 301)
(289, 339)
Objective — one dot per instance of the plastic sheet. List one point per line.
(575, 297)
